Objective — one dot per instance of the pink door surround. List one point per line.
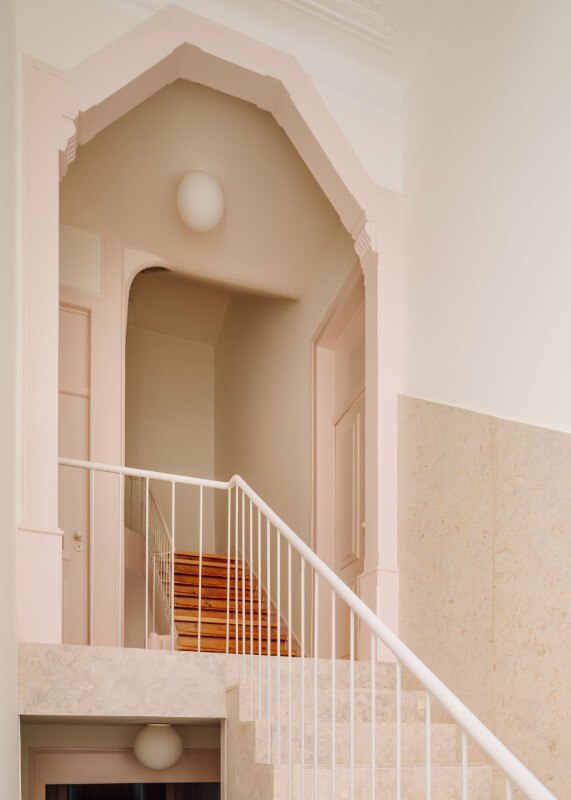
(90, 765)
(62, 110)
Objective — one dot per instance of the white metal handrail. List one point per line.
(239, 495)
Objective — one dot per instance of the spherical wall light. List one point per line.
(158, 746)
(200, 201)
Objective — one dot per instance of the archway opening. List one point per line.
(218, 347)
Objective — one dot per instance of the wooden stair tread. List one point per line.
(220, 614)
(218, 630)
(191, 589)
(210, 580)
(217, 644)
(217, 557)
(191, 567)
(221, 603)
(218, 620)
(222, 566)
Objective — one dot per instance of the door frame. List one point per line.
(349, 301)
(86, 765)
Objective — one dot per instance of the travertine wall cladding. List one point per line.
(484, 556)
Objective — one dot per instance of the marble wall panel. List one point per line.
(532, 598)
(74, 681)
(484, 558)
(446, 546)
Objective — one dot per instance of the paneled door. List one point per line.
(74, 398)
(349, 508)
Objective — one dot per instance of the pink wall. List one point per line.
(106, 369)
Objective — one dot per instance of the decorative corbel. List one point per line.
(364, 236)
(68, 143)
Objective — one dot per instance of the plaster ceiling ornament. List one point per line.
(378, 21)
(158, 746)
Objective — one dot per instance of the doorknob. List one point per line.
(78, 546)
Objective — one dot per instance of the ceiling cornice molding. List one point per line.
(356, 100)
(367, 20)
(422, 76)
(367, 103)
(139, 9)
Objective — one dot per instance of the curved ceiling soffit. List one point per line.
(175, 43)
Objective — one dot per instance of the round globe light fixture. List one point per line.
(158, 746)
(200, 201)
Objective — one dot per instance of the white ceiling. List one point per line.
(173, 304)
(375, 49)
(378, 21)
(277, 227)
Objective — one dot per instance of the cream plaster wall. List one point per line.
(487, 187)
(9, 758)
(98, 736)
(263, 403)
(169, 421)
(263, 388)
(80, 259)
(183, 126)
(484, 553)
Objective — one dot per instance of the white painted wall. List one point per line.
(487, 196)
(169, 421)
(9, 749)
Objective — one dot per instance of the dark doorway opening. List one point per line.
(134, 791)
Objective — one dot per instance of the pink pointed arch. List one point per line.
(64, 110)
(176, 43)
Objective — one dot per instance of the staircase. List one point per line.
(281, 763)
(219, 597)
(314, 726)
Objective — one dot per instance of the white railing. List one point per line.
(158, 549)
(160, 552)
(275, 581)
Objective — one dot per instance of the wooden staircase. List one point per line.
(252, 617)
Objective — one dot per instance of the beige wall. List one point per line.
(263, 389)
(486, 192)
(484, 553)
(9, 780)
(169, 421)
(101, 736)
(263, 404)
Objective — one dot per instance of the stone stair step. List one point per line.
(385, 674)
(413, 706)
(446, 783)
(413, 744)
